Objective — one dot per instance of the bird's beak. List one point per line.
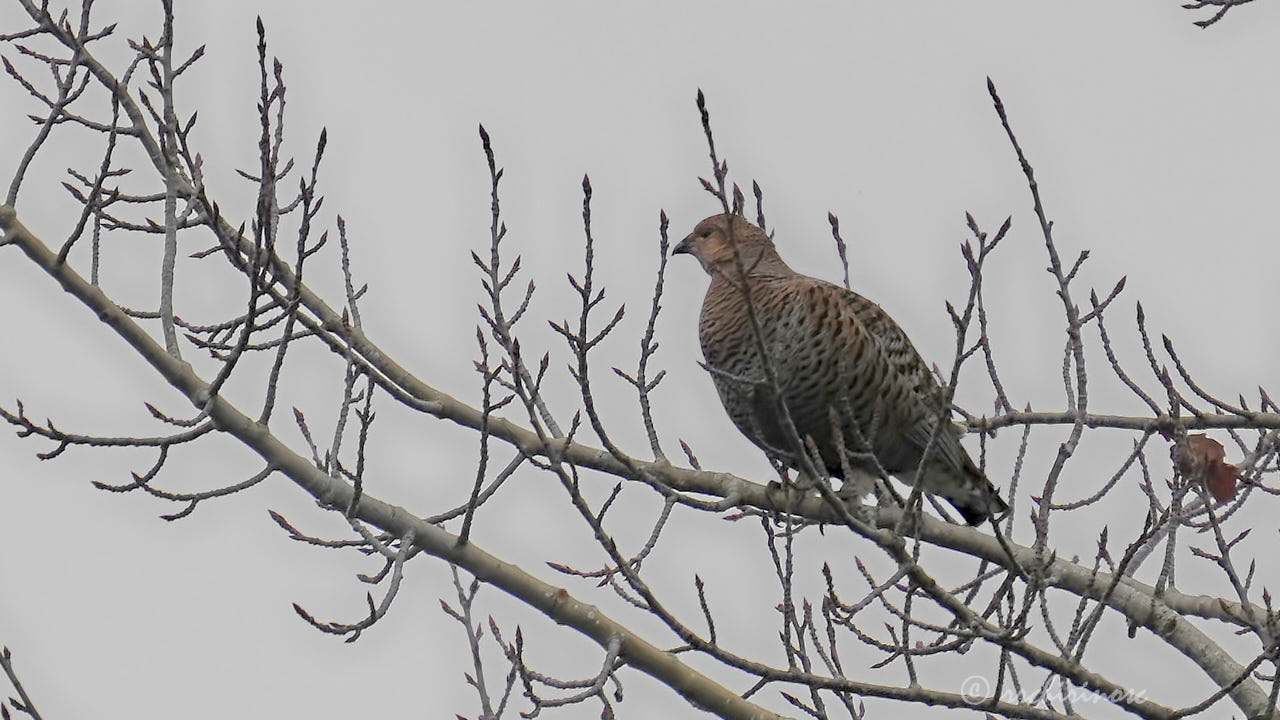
(685, 246)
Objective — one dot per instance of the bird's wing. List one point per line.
(920, 389)
(904, 364)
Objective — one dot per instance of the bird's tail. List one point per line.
(981, 502)
(965, 487)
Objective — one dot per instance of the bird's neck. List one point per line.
(760, 265)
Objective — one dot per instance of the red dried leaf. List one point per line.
(1202, 459)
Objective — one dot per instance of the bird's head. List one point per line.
(714, 241)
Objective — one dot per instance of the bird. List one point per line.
(845, 371)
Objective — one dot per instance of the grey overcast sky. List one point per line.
(1155, 143)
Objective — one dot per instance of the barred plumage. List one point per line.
(833, 351)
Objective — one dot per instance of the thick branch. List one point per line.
(556, 603)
